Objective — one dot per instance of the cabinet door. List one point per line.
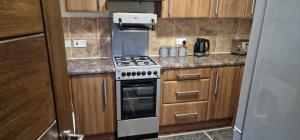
(229, 8)
(187, 8)
(94, 103)
(86, 5)
(224, 92)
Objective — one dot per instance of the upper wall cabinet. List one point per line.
(250, 8)
(232, 8)
(86, 5)
(185, 9)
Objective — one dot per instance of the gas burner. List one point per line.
(136, 67)
(134, 61)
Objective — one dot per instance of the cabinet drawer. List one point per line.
(181, 91)
(20, 17)
(186, 74)
(183, 113)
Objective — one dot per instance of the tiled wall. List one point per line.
(97, 32)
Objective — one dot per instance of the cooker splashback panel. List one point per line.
(129, 43)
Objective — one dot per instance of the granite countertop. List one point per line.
(195, 62)
(105, 65)
(90, 66)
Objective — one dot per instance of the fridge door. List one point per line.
(273, 109)
(249, 67)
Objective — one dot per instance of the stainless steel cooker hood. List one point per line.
(135, 21)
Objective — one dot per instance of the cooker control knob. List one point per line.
(133, 73)
(128, 73)
(138, 73)
(155, 72)
(143, 73)
(123, 74)
(149, 72)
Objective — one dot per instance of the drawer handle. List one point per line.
(186, 93)
(193, 114)
(188, 76)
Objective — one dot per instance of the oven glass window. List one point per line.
(138, 99)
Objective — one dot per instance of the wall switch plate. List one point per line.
(68, 43)
(79, 43)
(180, 40)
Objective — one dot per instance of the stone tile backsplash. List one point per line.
(97, 32)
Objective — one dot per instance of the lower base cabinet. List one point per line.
(183, 113)
(210, 100)
(94, 103)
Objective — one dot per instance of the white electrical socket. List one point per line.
(79, 43)
(180, 40)
(68, 43)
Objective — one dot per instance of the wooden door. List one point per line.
(94, 107)
(86, 5)
(20, 18)
(224, 92)
(229, 8)
(26, 98)
(189, 8)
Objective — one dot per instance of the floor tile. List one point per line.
(194, 136)
(223, 134)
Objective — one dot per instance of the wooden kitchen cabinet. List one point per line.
(250, 7)
(86, 5)
(94, 103)
(224, 93)
(184, 113)
(228, 8)
(185, 9)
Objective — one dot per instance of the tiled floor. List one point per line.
(211, 134)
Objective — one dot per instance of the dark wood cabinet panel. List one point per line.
(26, 98)
(20, 17)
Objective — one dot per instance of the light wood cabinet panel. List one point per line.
(228, 8)
(224, 85)
(86, 5)
(183, 91)
(94, 108)
(183, 113)
(250, 7)
(186, 74)
(185, 9)
(241, 74)
(20, 18)
(26, 96)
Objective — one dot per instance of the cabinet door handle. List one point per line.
(98, 4)
(193, 114)
(217, 8)
(188, 76)
(217, 84)
(253, 5)
(190, 92)
(170, 7)
(105, 91)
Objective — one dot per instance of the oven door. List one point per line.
(137, 99)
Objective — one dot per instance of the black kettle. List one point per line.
(201, 47)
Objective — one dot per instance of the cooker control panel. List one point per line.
(127, 74)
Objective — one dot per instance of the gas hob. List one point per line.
(136, 67)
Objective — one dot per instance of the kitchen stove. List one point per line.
(136, 67)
